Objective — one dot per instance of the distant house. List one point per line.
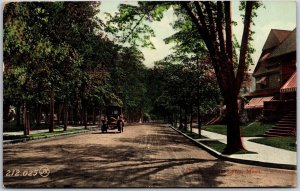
(275, 77)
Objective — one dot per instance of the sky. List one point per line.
(275, 15)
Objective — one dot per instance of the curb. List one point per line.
(242, 161)
(24, 140)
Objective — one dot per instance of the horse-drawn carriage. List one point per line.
(113, 119)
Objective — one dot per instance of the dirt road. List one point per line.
(142, 156)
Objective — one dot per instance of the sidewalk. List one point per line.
(266, 155)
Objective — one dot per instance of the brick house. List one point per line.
(275, 77)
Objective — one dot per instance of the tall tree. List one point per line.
(127, 80)
(213, 21)
(51, 51)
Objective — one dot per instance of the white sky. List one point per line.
(275, 15)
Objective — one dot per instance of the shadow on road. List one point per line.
(109, 132)
(128, 163)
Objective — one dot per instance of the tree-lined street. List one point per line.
(70, 67)
(143, 156)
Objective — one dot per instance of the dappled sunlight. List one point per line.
(134, 161)
(142, 156)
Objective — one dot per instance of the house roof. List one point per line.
(264, 57)
(263, 92)
(279, 42)
(290, 85)
(263, 70)
(275, 38)
(287, 46)
(255, 103)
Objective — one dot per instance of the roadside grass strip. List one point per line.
(44, 134)
(219, 146)
(286, 143)
(255, 129)
(213, 144)
(192, 134)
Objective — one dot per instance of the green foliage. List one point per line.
(189, 83)
(56, 46)
(190, 46)
(253, 129)
(127, 78)
(131, 23)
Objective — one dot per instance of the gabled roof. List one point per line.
(284, 41)
(290, 85)
(275, 38)
(287, 46)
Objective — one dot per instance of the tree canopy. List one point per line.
(58, 53)
(211, 23)
(60, 48)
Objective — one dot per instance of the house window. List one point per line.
(261, 83)
(274, 81)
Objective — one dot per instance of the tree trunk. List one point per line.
(6, 112)
(180, 118)
(59, 112)
(28, 122)
(174, 119)
(18, 115)
(25, 120)
(77, 115)
(185, 119)
(51, 128)
(199, 121)
(65, 111)
(191, 120)
(71, 116)
(38, 114)
(234, 141)
(85, 117)
(94, 116)
(141, 115)
(100, 115)
(225, 73)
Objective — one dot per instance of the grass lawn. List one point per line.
(287, 143)
(218, 146)
(42, 135)
(193, 135)
(254, 129)
(221, 129)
